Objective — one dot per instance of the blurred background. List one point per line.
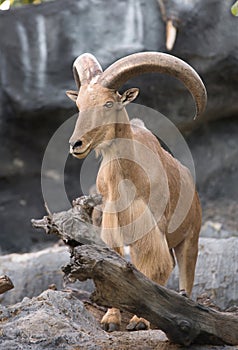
(38, 44)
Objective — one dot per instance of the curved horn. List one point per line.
(155, 62)
(171, 33)
(85, 68)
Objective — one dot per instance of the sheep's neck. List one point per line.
(122, 142)
(116, 164)
(123, 131)
(123, 126)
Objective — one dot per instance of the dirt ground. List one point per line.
(141, 340)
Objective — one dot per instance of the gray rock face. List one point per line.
(214, 148)
(38, 45)
(215, 230)
(51, 320)
(58, 320)
(33, 273)
(216, 271)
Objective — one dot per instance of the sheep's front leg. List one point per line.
(111, 321)
(138, 324)
(111, 235)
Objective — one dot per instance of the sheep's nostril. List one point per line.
(77, 144)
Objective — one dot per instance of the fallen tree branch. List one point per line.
(5, 284)
(73, 226)
(119, 284)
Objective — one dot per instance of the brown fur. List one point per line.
(150, 252)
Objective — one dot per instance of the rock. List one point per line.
(57, 319)
(43, 51)
(214, 148)
(35, 70)
(216, 271)
(33, 273)
(215, 230)
(52, 320)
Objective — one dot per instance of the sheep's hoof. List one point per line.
(110, 327)
(138, 324)
(183, 293)
(111, 321)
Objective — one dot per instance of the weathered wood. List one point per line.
(119, 284)
(73, 226)
(5, 284)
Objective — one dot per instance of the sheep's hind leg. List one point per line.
(111, 321)
(186, 253)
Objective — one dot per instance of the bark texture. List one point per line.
(5, 284)
(119, 284)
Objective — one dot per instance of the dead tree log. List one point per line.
(119, 284)
(5, 284)
(73, 226)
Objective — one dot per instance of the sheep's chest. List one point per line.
(122, 178)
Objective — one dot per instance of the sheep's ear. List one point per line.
(72, 95)
(129, 96)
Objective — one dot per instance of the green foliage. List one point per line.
(21, 2)
(234, 9)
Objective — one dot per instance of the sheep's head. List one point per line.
(100, 104)
(99, 107)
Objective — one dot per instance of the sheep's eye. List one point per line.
(108, 104)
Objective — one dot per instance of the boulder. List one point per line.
(212, 229)
(214, 149)
(52, 320)
(59, 320)
(216, 271)
(34, 272)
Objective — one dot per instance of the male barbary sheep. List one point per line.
(149, 199)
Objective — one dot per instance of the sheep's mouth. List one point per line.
(81, 152)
